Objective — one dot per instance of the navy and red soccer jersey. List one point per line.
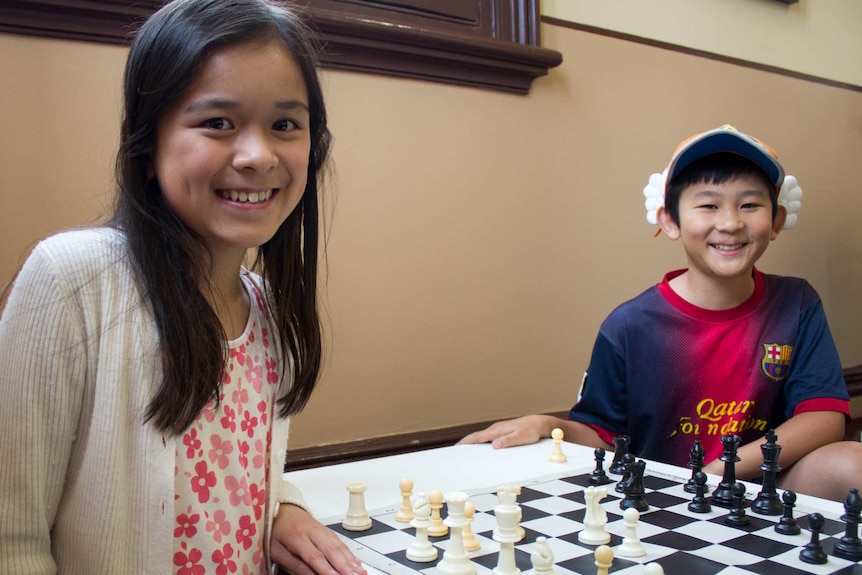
(666, 372)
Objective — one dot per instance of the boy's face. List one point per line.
(724, 228)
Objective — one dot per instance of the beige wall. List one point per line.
(478, 238)
(817, 37)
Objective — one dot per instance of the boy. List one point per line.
(718, 347)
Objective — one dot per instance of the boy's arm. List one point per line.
(798, 436)
(532, 428)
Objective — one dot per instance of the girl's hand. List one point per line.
(303, 546)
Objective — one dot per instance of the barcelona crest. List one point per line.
(776, 358)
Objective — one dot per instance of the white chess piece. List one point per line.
(542, 558)
(437, 528)
(596, 518)
(508, 515)
(357, 518)
(653, 569)
(631, 545)
(557, 456)
(421, 550)
(455, 560)
(470, 541)
(604, 559)
(507, 495)
(405, 513)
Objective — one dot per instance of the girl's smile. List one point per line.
(232, 154)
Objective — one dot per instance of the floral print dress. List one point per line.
(222, 469)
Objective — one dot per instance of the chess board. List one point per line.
(682, 542)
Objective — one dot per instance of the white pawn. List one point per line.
(470, 541)
(405, 513)
(604, 559)
(542, 558)
(631, 545)
(421, 550)
(653, 569)
(596, 518)
(437, 528)
(357, 517)
(557, 456)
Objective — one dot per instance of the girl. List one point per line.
(147, 377)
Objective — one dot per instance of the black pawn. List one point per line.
(621, 447)
(723, 495)
(737, 516)
(850, 546)
(696, 462)
(599, 477)
(699, 503)
(787, 525)
(813, 551)
(767, 502)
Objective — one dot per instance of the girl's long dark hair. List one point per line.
(170, 259)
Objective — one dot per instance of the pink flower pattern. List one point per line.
(220, 501)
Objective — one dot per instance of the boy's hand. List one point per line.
(303, 546)
(520, 431)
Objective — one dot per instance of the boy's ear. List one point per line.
(778, 222)
(666, 223)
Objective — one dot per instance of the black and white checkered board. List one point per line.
(682, 542)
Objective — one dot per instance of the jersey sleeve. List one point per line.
(815, 370)
(602, 404)
(43, 361)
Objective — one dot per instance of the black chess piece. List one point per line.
(767, 501)
(850, 546)
(622, 484)
(787, 525)
(700, 503)
(723, 495)
(737, 516)
(696, 462)
(813, 551)
(635, 492)
(621, 447)
(599, 477)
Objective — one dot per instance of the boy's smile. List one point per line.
(725, 228)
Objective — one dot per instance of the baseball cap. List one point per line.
(726, 139)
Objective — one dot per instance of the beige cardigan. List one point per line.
(85, 486)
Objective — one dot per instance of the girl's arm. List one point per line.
(42, 366)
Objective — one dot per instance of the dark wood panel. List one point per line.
(491, 44)
(309, 457)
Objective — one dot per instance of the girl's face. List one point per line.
(232, 154)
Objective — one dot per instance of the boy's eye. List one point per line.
(218, 124)
(285, 125)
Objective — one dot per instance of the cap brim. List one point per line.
(724, 140)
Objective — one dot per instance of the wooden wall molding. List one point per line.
(492, 44)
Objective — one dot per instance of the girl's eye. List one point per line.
(285, 125)
(218, 124)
